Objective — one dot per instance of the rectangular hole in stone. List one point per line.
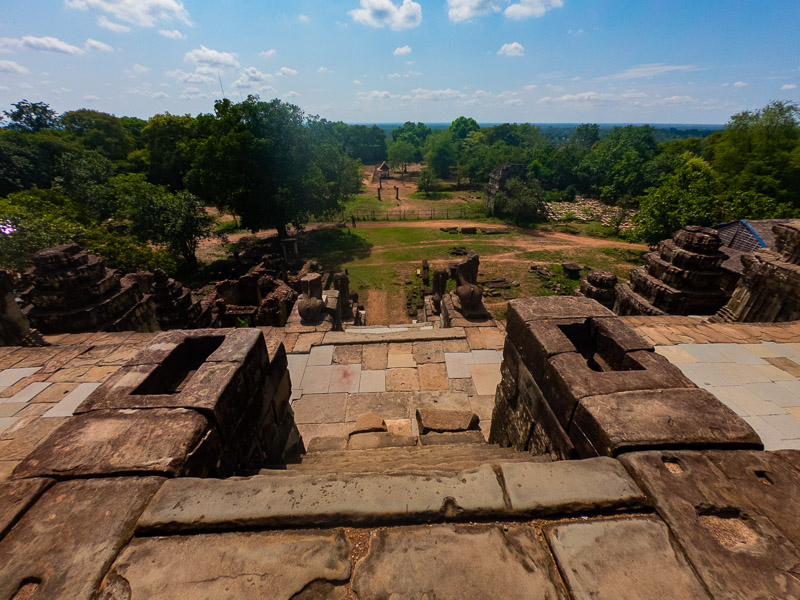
(763, 477)
(580, 334)
(172, 375)
(672, 465)
(728, 526)
(27, 590)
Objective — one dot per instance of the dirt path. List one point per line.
(378, 309)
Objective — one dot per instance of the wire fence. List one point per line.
(423, 214)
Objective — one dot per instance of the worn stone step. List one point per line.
(409, 459)
(294, 499)
(340, 338)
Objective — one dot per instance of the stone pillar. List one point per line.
(599, 285)
(578, 382)
(14, 327)
(440, 277)
(310, 304)
(468, 292)
(426, 272)
(341, 282)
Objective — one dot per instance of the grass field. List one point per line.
(386, 259)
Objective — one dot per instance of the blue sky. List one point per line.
(365, 61)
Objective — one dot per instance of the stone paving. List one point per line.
(333, 384)
(753, 368)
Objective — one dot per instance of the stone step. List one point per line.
(295, 499)
(411, 459)
(416, 334)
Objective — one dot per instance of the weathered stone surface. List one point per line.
(414, 334)
(435, 419)
(379, 439)
(672, 418)
(15, 498)
(402, 380)
(451, 562)
(67, 540)
(631, 558)
(552, 307)
(568, 378)
(697, 239)
(734, 515)
(158, 441)
(568, 487)
(231, 565)
(452, 437)
(367, 422)
(321, 499)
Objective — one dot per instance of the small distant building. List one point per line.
(497, 181)
(384, 172)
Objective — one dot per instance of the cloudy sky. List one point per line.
(367, 61)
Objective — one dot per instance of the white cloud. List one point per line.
(291, 94)
(446, 94)
(394, 75)
(674, 100)
(739, 84)
(402, 50)
(268, 53)
(104, 22)
(212, 58)
(324, 70)
(285, 71)
(649, 70)
(382, 13)
(189, 77)
(140, 69)
(251, 76)
(144, 13)
(91, 98)
(633, 94)
(480, 94)
(512, 49)
(529, 87)
(48, 44)
(463, 10)
(172, 34)
(513, 102)
(192, 92)
(356, 82)
(158, 95)
(531, 8)
(95, 45)
(582, 98)
(304, 18)
(374, 95)
(9, 66)
(788, 86)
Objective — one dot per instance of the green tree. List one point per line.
(463, 126)
(413, 133)
(401, 153)
(521, 201)
(99, 131)
(427, 182)
(440, 153)
(168, 142)
(31, 116)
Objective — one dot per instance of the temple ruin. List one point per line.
(74, 291)
(682, 278)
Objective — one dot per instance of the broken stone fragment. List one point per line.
(438, 420)
(369, 422)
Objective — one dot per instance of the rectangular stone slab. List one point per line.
(568, 378)
(650, 419)
(622, 558)
(467, 563)
(15, 498)
(569, 487)
(736, 545)
(230, 565)
(158, 441)
(553, 307)
(303, 500)
(239, 344)
(70, 536)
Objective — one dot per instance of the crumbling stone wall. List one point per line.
(577, 382)
(14, 327)
(682, 278)
(769, 288)
(74, 291)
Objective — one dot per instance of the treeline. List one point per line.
(123, 186)
(749, 169)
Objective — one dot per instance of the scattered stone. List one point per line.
(438, 420)
(571, 270)
(368, 422)
(459, 251)
(175, 307)
(469, 230)
(599, 285)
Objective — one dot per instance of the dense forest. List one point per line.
(134, 191)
